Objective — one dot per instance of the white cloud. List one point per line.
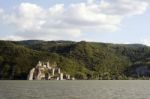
(11, 37)
(1, 14)
(28, 17)
(124, 7)
(91, 1)
(59, 21)
(146, 42)
(1, 11)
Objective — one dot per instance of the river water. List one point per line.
(117, 89)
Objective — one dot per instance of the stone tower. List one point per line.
(39, 63)
(61, 76)
(48, 65)
(30, 76)
(53, 71)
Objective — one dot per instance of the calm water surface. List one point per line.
(75, 89)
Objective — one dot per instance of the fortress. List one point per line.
(45, 71)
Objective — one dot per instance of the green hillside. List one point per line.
(84, 60)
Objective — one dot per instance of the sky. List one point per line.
(110, 21)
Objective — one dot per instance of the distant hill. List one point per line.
(83, 60)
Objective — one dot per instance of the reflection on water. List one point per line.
(75, 89)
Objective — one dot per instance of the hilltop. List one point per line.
(83, 60)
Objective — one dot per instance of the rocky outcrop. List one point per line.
(45, 71)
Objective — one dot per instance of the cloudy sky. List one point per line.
(114, 21)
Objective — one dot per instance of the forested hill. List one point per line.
(83, 60)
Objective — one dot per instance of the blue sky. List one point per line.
(113, 21)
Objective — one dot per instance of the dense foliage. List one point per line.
(83, 60)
